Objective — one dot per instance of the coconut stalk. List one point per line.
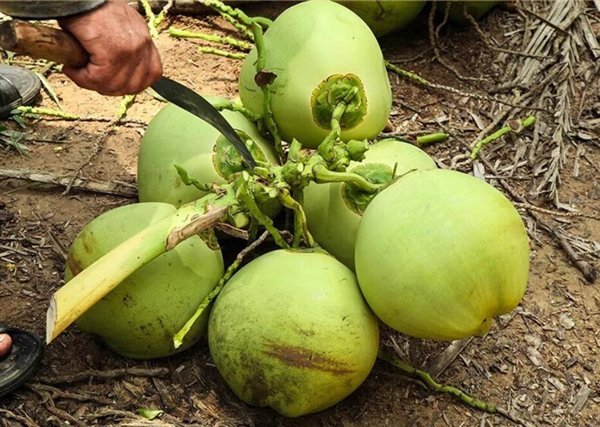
(92, 284)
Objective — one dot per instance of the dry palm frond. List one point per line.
(561, 32)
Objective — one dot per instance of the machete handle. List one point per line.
(42, 42)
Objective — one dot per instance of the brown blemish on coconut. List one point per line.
(89, 242)
(299, 357)
(74, 265)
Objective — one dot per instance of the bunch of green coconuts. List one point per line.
(434, 254)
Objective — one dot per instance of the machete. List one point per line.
(40, 41)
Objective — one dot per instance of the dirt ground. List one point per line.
(540, 363)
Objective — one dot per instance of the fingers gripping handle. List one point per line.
(42, 42)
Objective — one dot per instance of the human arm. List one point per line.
(123, 58)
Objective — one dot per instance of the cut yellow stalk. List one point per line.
(88, 287)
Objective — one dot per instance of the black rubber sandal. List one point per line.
(18, 86)
(21, 361)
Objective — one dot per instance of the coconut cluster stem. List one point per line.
(97, 280)
(151, 18)
(237, 18)
(232, 106)
(235, 265)
(300, 223)
(322, 174)
(245, 196)
(326, 147)
(268, 117)
(187, 180)
(516, 127)
(434, 385)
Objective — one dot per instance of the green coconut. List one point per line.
(333, 211)
(292, 331)
(440, 253)
(139, 318)
(317, 53)
(384, 17)
(177, 137)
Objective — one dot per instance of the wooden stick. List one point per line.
(40, 41)
(122, 189)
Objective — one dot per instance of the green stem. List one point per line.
(231, 41)
(262, 21)
(126, 102)
(325, 148)
(220, 52)
(40, 111)
(300, 223)
(161, 16)
(151, 18)
(511, 127)
(243, 194)
(434, 385)
(185, 178)
(322, 174)
(235, 17)
(238, 26)
(180, 336)
(232, 106)
(235, 265)
(407, 74)
(431, 138)
(268, 118)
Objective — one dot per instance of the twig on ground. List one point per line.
(552, 212)
(95, 150)
(109, 374)
(57, 245)
(65, 416)
(77, 397)
(434, 37)
(12, 416)
(122, 189)
(130, 419)
(446, 357)
(588, 270)
(423, 81)
(489, 41)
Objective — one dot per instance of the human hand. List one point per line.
(123, 58)
(5, 344)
